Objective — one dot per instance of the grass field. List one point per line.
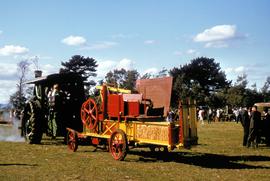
(219, 156)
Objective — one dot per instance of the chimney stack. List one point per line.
(38, 73)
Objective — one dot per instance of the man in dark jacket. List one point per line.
(266, 126)
(255, 120)
(245, 123)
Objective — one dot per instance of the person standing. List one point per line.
(236, 114)
(210, 113)
(255, 120)
(245, 121)
(266, 126)
(201, 116)
(218, 114)
(55, 97)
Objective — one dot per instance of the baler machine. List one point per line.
(120, 119)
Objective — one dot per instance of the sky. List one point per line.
(146, 35)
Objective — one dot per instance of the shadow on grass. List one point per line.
(205, 160)
(18, 164)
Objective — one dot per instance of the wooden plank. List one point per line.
(152, 132)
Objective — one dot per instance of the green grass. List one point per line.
(219, 156)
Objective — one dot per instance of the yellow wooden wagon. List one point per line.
(123, 120)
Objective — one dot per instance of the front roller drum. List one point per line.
(118, 145)
(72, 140)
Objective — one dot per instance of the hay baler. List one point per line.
(121, 120)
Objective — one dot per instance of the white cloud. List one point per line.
(228, 70)
(187, 52)
(108, 65)
(125, 64)
(81, 41)
(8, 81)
(218, 36)
(151, 71)
(74, 40)
(100, 45)
(216, 33)
(9, 78)
(104, 67)
(46, 69)
(236, 70)
(150, 42)
(123, 36)
(7, 71)
(256, 73)
(7, 88)
(240, 69)
(8, 50)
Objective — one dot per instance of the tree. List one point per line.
(130, 79)
(242, 81)
(86, 67)
(116, 77)
(18, 99)
(199, 79)
(251, 97)
(239, 95)
(162, 73)
(236, 93)
(122, 78)
(265, 90)
(146, 76)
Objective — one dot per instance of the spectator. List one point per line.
(170, 116)
(56, 101)
(210, 115)
(255, 118)
(218, 114)
(245, 121)
(237, 114)
(201, 116)
(266, 126)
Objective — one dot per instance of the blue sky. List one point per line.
(146, 35)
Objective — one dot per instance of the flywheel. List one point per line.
(89, 114)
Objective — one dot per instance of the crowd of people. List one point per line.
(256, 125)
(210, 115)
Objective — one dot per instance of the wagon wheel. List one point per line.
(72, 140)
(118, 145)
(89, 114)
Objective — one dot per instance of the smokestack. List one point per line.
(38, 73)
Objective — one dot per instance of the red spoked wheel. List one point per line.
(118, 145)
(72, 140)
(89, 114)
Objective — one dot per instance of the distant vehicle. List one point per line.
(36, 112)
(262, 105)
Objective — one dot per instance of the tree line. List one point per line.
(201, 79)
